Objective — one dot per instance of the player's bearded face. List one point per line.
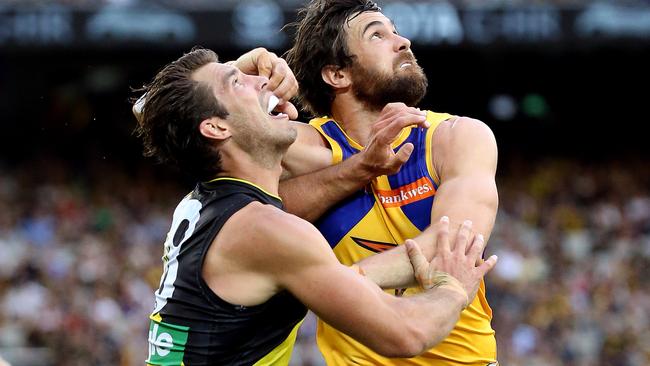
(376, 88)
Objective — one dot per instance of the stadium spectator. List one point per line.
(573, 242)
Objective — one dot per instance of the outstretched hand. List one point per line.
(379, 158)
(462, 262)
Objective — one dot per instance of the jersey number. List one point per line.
(186, 216)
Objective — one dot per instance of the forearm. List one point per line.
(390, 269)
(408, 326)
(472, 198)
(393, 268)
(310, 195)
(431, 315)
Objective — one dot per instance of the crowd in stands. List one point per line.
(574, 245)
(221, 4)
(80, 259)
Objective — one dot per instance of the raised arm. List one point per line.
(258, 61)
(312, 184)
(282, 82)
(298, 259)
(465, 159)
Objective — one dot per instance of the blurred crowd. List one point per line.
(291, 4)
(80, 258)
(574, 246)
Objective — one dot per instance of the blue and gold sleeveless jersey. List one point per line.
(190, 324)
(386, 212)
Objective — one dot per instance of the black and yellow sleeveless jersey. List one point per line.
(190, 324)
(380, 216)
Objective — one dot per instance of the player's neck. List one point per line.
(263, 174)
(354, 117)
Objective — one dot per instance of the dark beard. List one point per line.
(376, 89)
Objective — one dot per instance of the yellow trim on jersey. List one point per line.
(337, 152)
(247, 182)
(281, 354)
(318, 122)
(434, 119)
(354, 144)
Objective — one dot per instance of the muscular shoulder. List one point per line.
(278, 226)
(269, 237)
(459, 141)
(458, 130)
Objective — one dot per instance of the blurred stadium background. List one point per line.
(564, 84)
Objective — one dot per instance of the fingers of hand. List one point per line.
(387, 131)
(419, 263)
(246, 63)
(287, 89)
(264, 64)
(462, 238)
(281, 73)
(392, 108)
(415, 254)
(289, 109)
(488, 265)
(395, 110)
(442, 238)
(403, 154)
(476, 248)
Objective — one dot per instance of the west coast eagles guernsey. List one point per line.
(386, 212)
(190, 324)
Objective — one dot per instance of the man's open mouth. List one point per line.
(272, 103)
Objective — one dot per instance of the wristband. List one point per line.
(444, 279)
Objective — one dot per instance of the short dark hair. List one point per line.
(320, 41)
(174, 108)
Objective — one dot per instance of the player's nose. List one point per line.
(402, 43)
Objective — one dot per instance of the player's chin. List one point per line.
(409, 69)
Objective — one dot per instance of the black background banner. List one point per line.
(429, 24)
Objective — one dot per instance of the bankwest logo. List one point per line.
(413, 192)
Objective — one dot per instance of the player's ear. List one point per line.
(215, 128)
(336, 76)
